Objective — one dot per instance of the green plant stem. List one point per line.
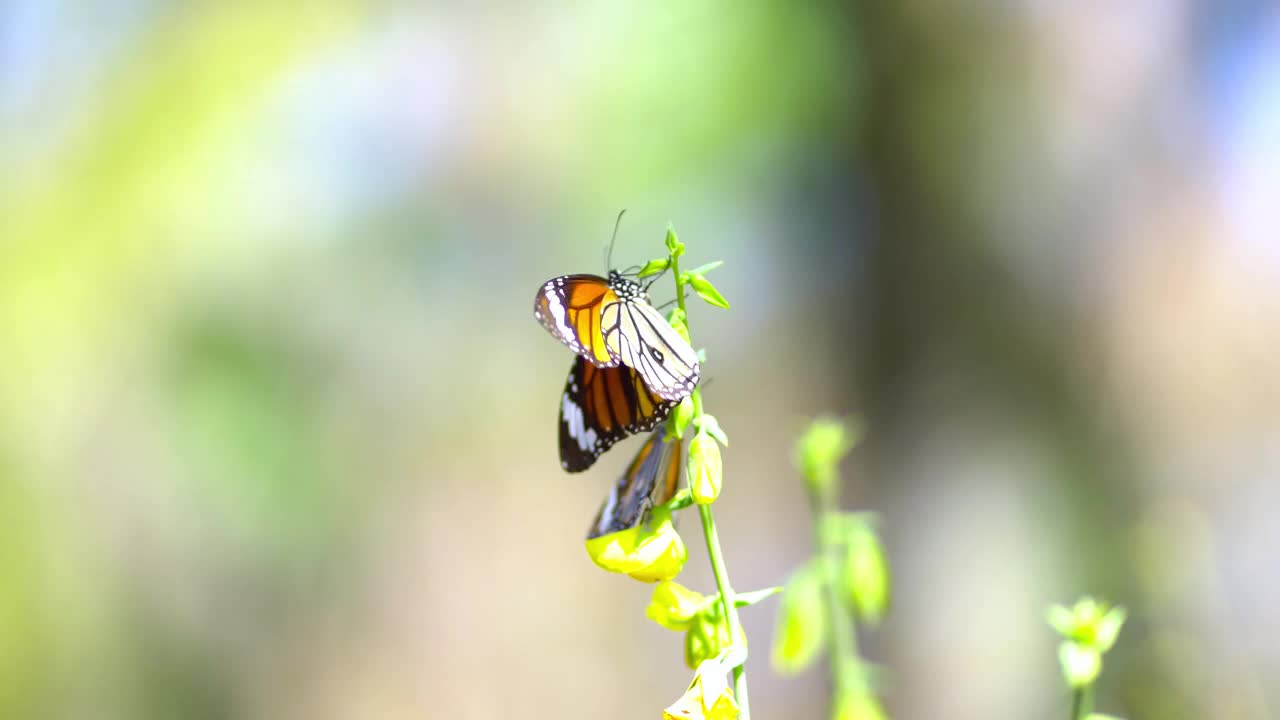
(1080, 702)
(846, 675)
(718, 567)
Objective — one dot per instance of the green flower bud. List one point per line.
(1081, 665)
(704, 469)
(700, 642)
(655, 266)
(865, 572)
(677, 321)
(674, 246)
(1089, 622)
(705, 290)
(674, 606)
(681, 416)
(819, 451)
(802, 620)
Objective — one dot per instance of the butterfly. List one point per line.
(650, 480)
(610, 322)
(602, 405)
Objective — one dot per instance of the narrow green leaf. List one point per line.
(707, 291)
(704, 269)
(747, 599)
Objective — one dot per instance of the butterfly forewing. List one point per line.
(650, 480)
(636, 332)
(600, 406)
(570, 308)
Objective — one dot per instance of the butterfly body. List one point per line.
(632, 366)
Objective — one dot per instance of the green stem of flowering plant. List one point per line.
(718, 567)
(1080, 702)
(846, 675)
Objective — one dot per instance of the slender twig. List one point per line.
(718, 567)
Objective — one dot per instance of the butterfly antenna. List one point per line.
(608, 258)
(655, 279)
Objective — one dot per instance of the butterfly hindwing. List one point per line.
(650, 480)
(569, 307)
(600, 406)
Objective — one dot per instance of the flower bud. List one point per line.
(674, 606)
(704, 469)
(819, 451)
(866, 572)
(802, 621)
(682, 414)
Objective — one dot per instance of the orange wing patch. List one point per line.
(569, 307)
(601, 406)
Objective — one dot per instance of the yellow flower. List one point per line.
(709, 696)
(648, 553)
(674, 606)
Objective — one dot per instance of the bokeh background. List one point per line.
(277, 426)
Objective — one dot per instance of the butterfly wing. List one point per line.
(600, 406)
(650, 480)
(569, 307)
(636, 332)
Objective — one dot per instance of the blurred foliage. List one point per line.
(263, 275)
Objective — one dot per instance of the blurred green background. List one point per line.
(277, 427)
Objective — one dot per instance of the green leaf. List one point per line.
(801, 634)
(674, 246)
(655, 266)
(707, 423)
(747, 599)
(707, 291)
(1080, 664)
(704, 269)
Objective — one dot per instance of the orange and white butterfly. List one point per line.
(599, 407)
(650, 480)
(610, 321)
